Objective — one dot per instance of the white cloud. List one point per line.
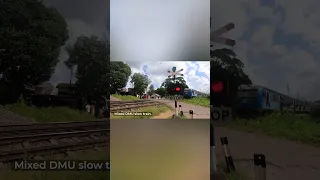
(157, 72)
(271, 56)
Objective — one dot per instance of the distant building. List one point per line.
(155, 96)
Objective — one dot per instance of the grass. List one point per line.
(126, 97)
(201, 101)
(299, 128)
(154, 110)
(8, 174)
(54, 114)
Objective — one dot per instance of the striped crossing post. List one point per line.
(260, 172)
(227, 154)
(213, 163)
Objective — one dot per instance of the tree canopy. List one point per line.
(161, 91)
(91, 57)
(31, 35)
(151, 90)
(224, 64)
(119, 73)
(141, 82)
(170, 82)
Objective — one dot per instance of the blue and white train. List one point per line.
(259, 98)
(189, 93)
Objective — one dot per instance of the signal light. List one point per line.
(178, 88)
(217, 86)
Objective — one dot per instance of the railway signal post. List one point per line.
(178, 88)
(218, 87)
(215, 35)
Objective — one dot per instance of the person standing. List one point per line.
(92, 108)
(88, 108)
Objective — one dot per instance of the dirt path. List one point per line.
(164, 115)
(114, 99)
(7, 117)
(285, 159)
(199, 112)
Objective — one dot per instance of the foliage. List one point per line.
(170, 83)
(91, 56)
(151, 90)
(59, 114)
(126, 97)
(141, 82)
(161, 91)
(316, 112)
(226, 66)
(119, 73)
(202, 101)
(289, 126)
(31, 35)
(154, 110)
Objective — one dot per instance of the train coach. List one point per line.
(259, 98)
(189, 93)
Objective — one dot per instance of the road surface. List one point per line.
(199, 112)
(285, 159)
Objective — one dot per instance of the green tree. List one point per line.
(91, 57)
(225, 64)
(151, 90)
(31, 36)
(141, 82)
(170, 83)
(119, 73)
(161, 91)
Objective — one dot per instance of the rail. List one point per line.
(116, 106)
(36, 140)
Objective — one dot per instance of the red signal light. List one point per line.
(177, 88)
(217, 86)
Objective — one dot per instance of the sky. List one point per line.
(278, 44)
(278, 41)
(195, 73)
(83, 18)
(164, 30)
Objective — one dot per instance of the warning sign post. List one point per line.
(220, 113)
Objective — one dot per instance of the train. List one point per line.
(190, 93)
(257, 98)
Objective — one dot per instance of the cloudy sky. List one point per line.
(196, 73)
(83, 17)
(146, 30)
(278, 41)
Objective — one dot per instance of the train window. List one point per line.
(250, 93)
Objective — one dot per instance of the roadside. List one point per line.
(165, 115)
(201, 101)
(293, 127)
(155, 111)
(11, 114)
(285, 159)
(8, 117)
(199, 112)
(117, 97)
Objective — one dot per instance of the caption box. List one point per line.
(61, 165)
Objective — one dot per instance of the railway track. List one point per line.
(34, 140)
(118, 106)
(36, 128)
